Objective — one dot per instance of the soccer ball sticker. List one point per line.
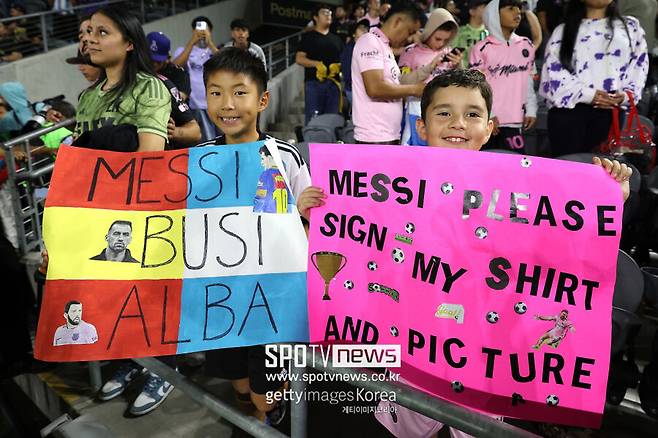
(394, 331)
(552, 400)
(398, 255)
(447, 188)
(520, 308)
(481, 232)
(410, 228)
(492, 317)
(457, 386)
(372, 265)
(348, 284)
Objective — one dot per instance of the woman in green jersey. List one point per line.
(128, 90)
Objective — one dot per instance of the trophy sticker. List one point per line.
(376, 287)
(451, 311)
(328, 265)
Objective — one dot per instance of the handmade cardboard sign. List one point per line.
(494, 272)
(171, 252)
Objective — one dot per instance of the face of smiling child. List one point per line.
(457, 117)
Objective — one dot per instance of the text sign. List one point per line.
(494, 272)
(171, 252)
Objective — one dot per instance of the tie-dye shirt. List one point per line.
(600, 63)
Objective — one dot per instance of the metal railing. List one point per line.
(280, 54)
(466, 420)
(42, 31)
(28, 168)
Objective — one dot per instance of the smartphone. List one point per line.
(202, 25)
(455, 51)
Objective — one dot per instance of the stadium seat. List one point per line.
(652, 181)
(501, 151)
(583, 157)
(319, 134)
(331, 120)
(629, 289)
(323, 128)
(651, 285)
(347, 133)
(303, 150)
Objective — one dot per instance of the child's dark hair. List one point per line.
(317, 9)
(408, 8)
(138, 60)
(64, 107)
(202, 18)
(505, 3)
(239, 23)
(237, 61)
(457, 78)
(364, 24)
(576, 11)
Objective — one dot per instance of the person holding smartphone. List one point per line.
(422, 62)
(196, 52)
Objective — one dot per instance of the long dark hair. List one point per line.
(577, 11)
(138, 59)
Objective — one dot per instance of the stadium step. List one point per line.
(282, 127)
(294, 119)
(67, 389)
(297, 107)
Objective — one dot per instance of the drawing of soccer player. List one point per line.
(554, 336)
(118, 237)
(272, 194)
(75, 331)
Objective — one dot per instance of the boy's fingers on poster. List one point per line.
(605, 163)
(311, 197)
(529, 122)
(44, 261)
(313, 190)
(615, 170)
(625, 173)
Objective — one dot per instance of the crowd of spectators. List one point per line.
(517, 44)
(22, 33)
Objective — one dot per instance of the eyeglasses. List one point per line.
(324, 12)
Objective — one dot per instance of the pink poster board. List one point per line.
(468, 260)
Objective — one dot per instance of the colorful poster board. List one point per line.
(171, 252)
(494, 272)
